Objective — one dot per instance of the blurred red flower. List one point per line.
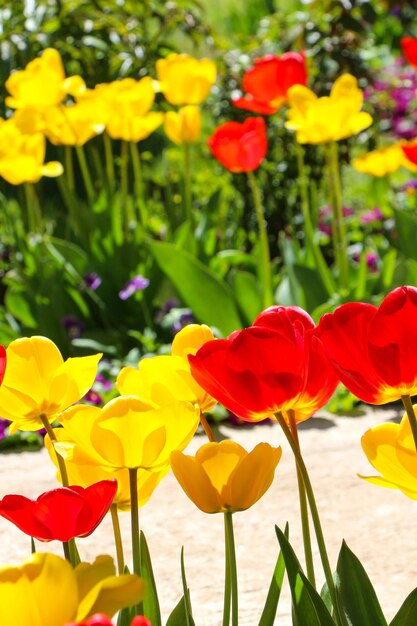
(266, 83)
(102, 620)
(409, 46)
(410, 148)
(61, 513)
(240, 147)
(374, 350)
(277, 364)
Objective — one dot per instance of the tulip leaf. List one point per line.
(150, 602)
(210, 299)
(312, 285)
(187, 598)
(357, 594)
(406, 228)
(248, 297)
(308, 606)
(274, 592)
(178, 616)
(406, 616)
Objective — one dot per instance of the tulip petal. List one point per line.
(253, 476)
(195, 483)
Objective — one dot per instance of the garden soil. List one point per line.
(378, 524)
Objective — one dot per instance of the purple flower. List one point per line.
(106, 384)
(92, 280)
(137, 283)
(374, 215)
(325, 228)
(93, 398)
(371, 260)
(73, 326)
(4, 424)
(410, 186)
(184, 319)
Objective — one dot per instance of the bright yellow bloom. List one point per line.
(46, 591)
(183, 126)
(330, 118)
(391, 450)
(160, 380)
(124, 107)
(42, 83)
(223, 477)
(22, 156)
(184, 79)
(72, 125)
(383, 161)
(38, 382)
(129, 433)
(84, 471)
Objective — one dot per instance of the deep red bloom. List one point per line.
(410, 150)
(102, 620)
(374, 350)
(3, 361)
(409, 46)
(277, 364)
(240, 147)
(139, 620)
(61, 513)
(266, 84)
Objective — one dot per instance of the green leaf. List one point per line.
(289, 290)
(357, 594)
(406, 227)
(210, 299)
(274, 592)
(187, 599)
(314, 291)
(308, 606)
(17, 304)
(246, 288)
(388, 269)
(150, 602)
(406, 616)
(178, 616)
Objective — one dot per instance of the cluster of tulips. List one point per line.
(108, 459)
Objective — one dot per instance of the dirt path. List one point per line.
(378, 524)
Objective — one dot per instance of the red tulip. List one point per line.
(410, 150)
(409, 46)
(374, 350)
(102, 620)
(266, 84)
(277, 364)
(61, 513)
(240, 147)
(3, 361)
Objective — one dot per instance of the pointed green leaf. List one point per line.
(210, 299)
(248, 297)
(178, 615)
(357, 594)
(406, 228)
(150, 602)
(406, 616)
(272, 599)
(186, 591)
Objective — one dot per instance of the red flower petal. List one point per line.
(409, 46)
(240, 147)
(3, 361)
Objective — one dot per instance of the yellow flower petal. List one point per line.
(190, 339)
(184, 79)
(195, 483)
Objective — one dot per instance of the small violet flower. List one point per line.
(73, 326)
(92, 280)
(374, 215)
(137, 283)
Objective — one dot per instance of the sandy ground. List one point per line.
(378, 524)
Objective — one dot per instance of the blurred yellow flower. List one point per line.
(72, 125)
(223, 477)
(42, 84)
(390, 448)
(129, 433)
(38, 382)
(46, 591)
(83, 470)
(383, 161)
(184, 79)
(330, 118)
(161, 380)
(183, 126)
(22, 156)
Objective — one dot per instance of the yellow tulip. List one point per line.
(183, 126)
(46, 591)
(383, 161)
(22, 156)
(330, 118)
(223, 477)
(72, 125)
(161, 380)
(391, 450)
(84, 471)
(129, 433)
(184, 79)
(38, 382)
(42, 83)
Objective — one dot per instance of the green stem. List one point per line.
(303, 506)
(137, 172)
(34, 212)
(61, 463)
(188, 209)
(85, 172)
(108, 151)
(124, 186)
(411, 416)
(339, 231)
(264, 267)
(207, 428)
(134, 516)
(231, 554)
(117, 538)
(227, 578)
(67, 554)
(69, 168)
(315, 516)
